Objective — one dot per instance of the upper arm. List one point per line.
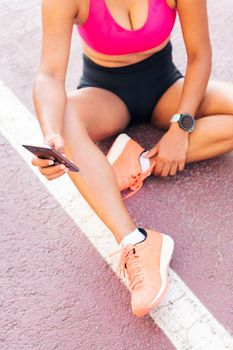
(57, 24)
(194, 24)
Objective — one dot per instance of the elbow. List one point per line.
(38, 81)
(201, 58)
(42, 76)
(49, 72)
(46, 78)
(202, 54)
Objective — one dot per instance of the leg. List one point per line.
(213, 134)
(91, 115)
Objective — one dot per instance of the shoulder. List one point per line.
(70, 7)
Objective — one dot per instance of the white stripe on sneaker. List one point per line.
(117, 147)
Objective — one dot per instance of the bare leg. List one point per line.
(213, 134)
(93, 114)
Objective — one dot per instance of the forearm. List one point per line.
(50, 99)
(195, 83)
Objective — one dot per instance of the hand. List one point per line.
(45, 167)
(170, 152)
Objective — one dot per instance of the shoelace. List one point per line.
(130, 261)
(134, 185)
(135, 182)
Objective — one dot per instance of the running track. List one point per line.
(57, 288)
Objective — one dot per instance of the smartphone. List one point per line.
(48, 152)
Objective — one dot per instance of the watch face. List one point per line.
(187, 121)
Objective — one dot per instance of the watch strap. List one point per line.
(175, 118)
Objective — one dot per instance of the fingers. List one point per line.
(173, 169)
(47, 169)
(56, 141)
(165, 168)
(56, 175)
(181, 165)
(151, 153)
(41, 162)
(177, 166)
(53, 169)
(59, 144)
(158, 166)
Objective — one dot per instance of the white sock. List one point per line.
(144, 162)
(132, 238)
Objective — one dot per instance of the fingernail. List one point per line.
(62, 166)
(51, 162)
(66, 170)
(144, 154)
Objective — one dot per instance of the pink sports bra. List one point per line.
(103, 34)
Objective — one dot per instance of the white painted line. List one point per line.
(182, 317)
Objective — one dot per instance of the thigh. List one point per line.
(100, 111)
(218, 99)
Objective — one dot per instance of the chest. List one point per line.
(129, 14)
(115, 27)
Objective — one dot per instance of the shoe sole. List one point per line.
(166, 255)
(117, 147)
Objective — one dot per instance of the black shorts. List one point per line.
(140, 85)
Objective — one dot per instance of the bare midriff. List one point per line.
(120, 60)
(139, 17)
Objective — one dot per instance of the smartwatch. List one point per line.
(186, 121)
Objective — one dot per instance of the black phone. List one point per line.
(48, 152)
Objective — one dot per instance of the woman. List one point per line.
(128, 76)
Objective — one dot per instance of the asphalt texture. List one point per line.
(56, 292)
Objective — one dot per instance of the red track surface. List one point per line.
(56, 291)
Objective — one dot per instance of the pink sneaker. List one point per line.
(146, 266)
(124, 156)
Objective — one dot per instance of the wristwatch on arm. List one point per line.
(186, 121)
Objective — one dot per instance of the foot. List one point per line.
(146, 266)
(124, 156)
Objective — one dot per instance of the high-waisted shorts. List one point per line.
(139, 85)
